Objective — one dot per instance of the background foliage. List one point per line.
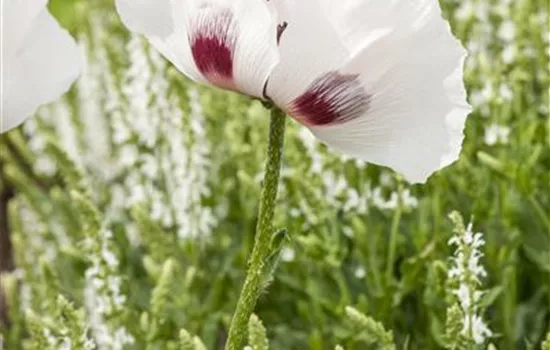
(132, 206)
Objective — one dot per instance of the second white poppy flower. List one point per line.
(40, 60)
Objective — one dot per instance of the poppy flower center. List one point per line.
(213, 45)
(331, 99)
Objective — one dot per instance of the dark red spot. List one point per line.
(212, 45)
(213, 56)
(331, 99)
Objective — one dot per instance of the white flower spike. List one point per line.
(380, 80)
(40, 60)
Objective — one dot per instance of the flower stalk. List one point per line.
(261, 251)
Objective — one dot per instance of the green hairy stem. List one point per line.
(264, 230)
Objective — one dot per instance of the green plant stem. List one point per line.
(393, 236)
(252, 287)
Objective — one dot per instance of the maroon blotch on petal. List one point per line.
(213, 45)
(331, 99)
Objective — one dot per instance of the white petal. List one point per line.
(309, 47)
(159, 28)
(149, 17)
(246, 34)
(257, 53)
(417, 101)
(17, 18)
(358, 22)
(43, 67)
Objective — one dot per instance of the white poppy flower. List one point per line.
(40, 60)
(380, 80)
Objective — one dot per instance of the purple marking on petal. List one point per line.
(331, 99)
(213, 45)
(281, 27)
(280, 30)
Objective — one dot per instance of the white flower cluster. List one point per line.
(467, 272)
(337, 191)
(53, 118)
(137, 138)
(36, 247)
(396, 198)
(190, 178)
(103, 296)
(493, 51)
(36, 243)
(63, 342)
(97, 154)
(338, 194)
(174, 150)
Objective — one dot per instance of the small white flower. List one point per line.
(334, 184)
(474, 266)
(355, 201)
(482, 11)
(408, 200)
(348, 231)
(360, 272)
(502, 8)
(505, 92)
(40, 60)
(468, 235)
(465, 11)
(121, 133)
(362, 97)
(405, 197)
(66, 344)
(37, 143)
(137, 195)
(480, 331)
(463, 295)
(109, 257)
(45, 165)
(478, 240)
(507, 30)
(454, 272)
(106, 234)
(96, 282)
(150, 166)
(288, 254)
(128, 155)
(49, 337)
(386, 179)
(509, 54)
(157, 210)
(495, 134)
(295, 212)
